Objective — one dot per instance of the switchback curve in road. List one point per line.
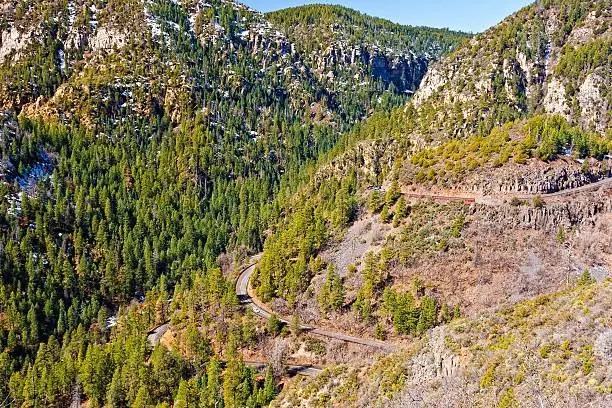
(261, 310)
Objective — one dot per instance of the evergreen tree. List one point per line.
(115, 396)
(213, 385)
(274, 325)
(428, 315)
(269, 390)
(374, 201)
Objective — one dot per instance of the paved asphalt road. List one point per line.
(607, 182)
(242, 290)
(469, 197)
(155, 335)
(308, 371)
(242, 284)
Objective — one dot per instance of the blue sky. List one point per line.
(466, 15)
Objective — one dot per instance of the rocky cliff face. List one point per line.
(353, 52)
(404, 71)
(370, 159)
(144, 59)
(537, 178)
(96, 51)
(578, 212)
(11, 43)
(536, 60)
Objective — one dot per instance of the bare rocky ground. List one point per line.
(500, 265)
(506, 253)
(551, 351)
(368, 233)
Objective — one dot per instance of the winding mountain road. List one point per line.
(469, 198)
(261, 310)
(243, 288)
(305, 370)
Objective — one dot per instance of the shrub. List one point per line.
(458, 225)
(586, 356)
(488, 378)
(560, 235)
(538, 202)
(442, 245)
(379, 332)
(545, 350)
(508, 399)
(520, 158)
(431, 175)
(566, 349)
(315, 346)
(516, 202)
(585, 279)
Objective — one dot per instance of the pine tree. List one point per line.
(185, 396)
(232, 377)
(274, 325)
(393, 193)
(249, 331)
(101, 324)
(456, 312)
(33, 332)
(427, 318)
(337, 293)
(385, 215)
(115, 396)
(374, 201)
(379, 331)
(269, 389)
(296, 325)
(400, 212)
(213, 384)
(143, 399)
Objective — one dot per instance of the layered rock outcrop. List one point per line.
(527, 65)
(537, 177)
(550, 216)
(11, 43)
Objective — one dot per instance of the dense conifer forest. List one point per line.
(149, 148)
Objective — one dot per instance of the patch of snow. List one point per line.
(93, 22)
(547, 65)
(111, 322)
(62, 60)
(71, 13)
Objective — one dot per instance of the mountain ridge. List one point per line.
(362, 229)
(147, 147)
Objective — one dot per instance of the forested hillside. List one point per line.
(469, 198)
(349, 50)
(145, 148)
(552, 57)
